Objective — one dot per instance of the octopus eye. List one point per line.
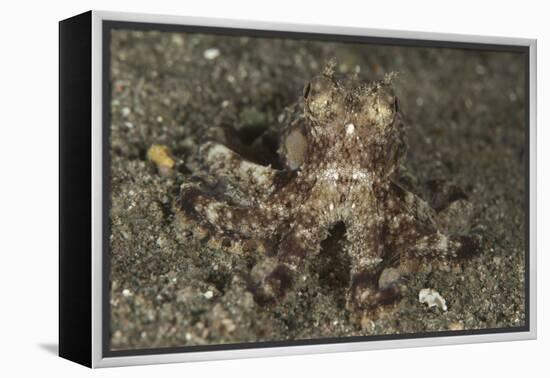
(379, 108)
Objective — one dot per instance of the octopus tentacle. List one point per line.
(366, 249)
(302, 242)
(365, 292)
(257, 180)
(410, 204)
(441, 247)
(195, 204)
(413, 225)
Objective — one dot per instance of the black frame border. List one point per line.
(109, 25)
(75, 188)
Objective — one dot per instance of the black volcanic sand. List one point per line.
(465, 112)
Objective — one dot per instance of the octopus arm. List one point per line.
(415, 228)
(210, 209)
(411, 205)
(253, 179)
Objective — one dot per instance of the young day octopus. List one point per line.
(340, 155)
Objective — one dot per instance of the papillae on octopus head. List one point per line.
(351, 120)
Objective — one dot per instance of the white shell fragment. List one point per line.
(209, 294)
(211, 53)
(432, 298)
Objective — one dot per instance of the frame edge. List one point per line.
(75, 333)
(97, 357)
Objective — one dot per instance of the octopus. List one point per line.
(341, 149)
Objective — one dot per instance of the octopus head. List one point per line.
(365, 114)
(329, 100)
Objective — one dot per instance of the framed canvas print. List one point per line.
(233, 189)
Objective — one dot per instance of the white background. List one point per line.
(29, 174)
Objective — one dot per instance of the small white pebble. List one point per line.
(331, 206)
(127, 293)
(188, 336)
(432, 298)
(480, 69)
(229, 325)
(126, 111)
(177, 40)
(209, 294)
(211, 53)
(456, 326)
(161, 242)
(350, 129)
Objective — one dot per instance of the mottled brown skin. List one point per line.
(341, 154)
